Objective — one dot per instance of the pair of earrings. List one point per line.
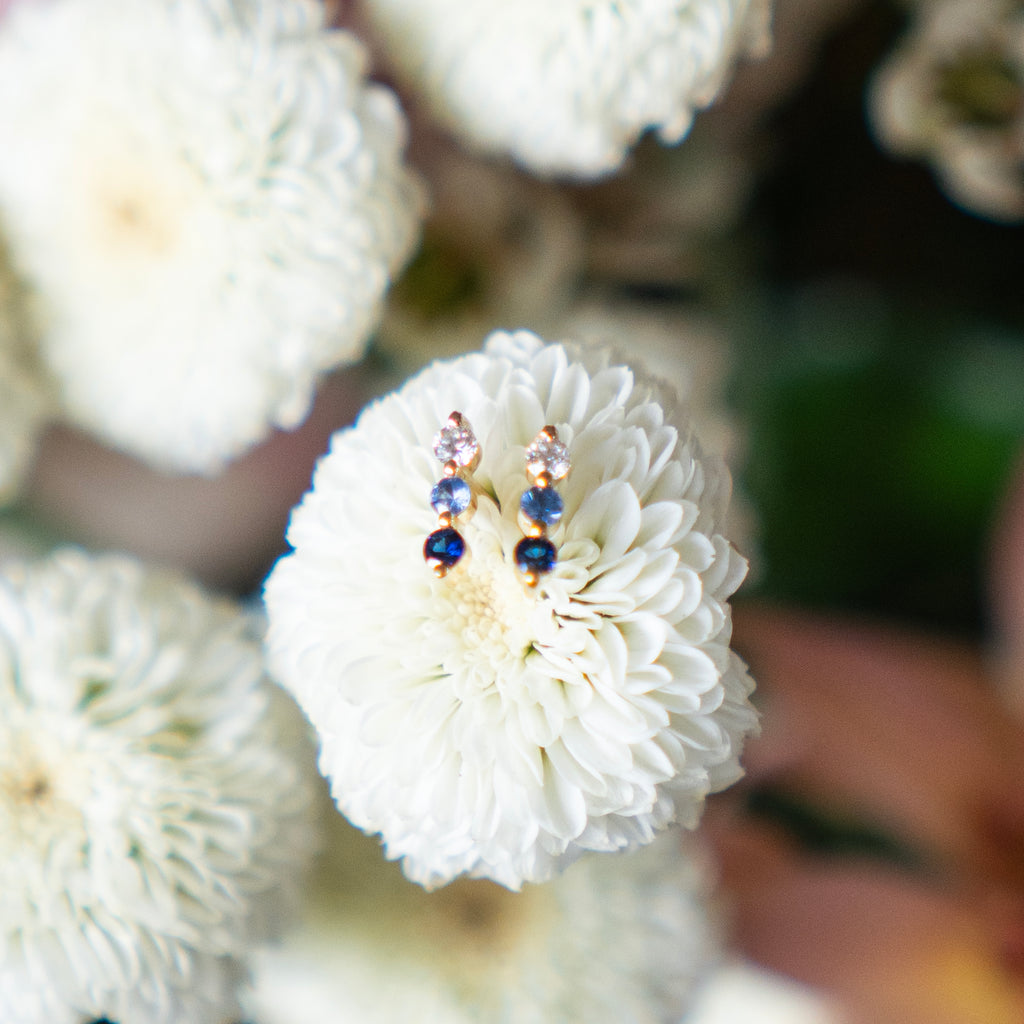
(453, 496)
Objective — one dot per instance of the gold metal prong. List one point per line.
(550, 433)
(451, 468)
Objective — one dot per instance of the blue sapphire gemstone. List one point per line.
(535, 555)
(452, 494)
(541, 505)
(444, 547)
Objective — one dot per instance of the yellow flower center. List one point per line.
(41, 790)
(490, 610)
(142, 212)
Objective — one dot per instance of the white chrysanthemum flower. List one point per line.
(209, 200)
(24, 403)
(481, 726)
(154, 796)
(567, 87)
(953, 94)
(614, 939)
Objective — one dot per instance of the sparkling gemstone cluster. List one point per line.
(541, 506)
(456, 447)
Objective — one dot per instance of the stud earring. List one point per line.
(457, 449)
(541, 506)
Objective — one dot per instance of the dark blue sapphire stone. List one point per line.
(541, 505)
(535, 555)
(452, 494)
(444, 547)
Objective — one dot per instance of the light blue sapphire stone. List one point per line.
(542, 505)
(452, 494)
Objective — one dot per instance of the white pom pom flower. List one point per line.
(614, 939)
(480, 725)
(953, 94)
(209, 200)
(567, 87)
(155, 796)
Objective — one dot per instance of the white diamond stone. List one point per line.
(548, 455)
(456, 442)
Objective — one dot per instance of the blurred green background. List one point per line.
(880, 366)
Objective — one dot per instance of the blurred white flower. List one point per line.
(740, 993)
(953, 94)
(209, 200)
(614, 939)
(481, 726)
(155, 796)
(567, 88)
(24, 397)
